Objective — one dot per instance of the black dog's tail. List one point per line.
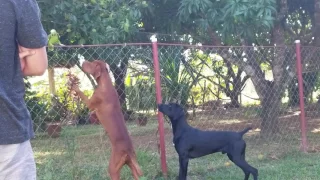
(245, 131)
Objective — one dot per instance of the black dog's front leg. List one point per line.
(183, 169)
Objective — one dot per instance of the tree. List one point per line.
(260, 22)
(242, 23)
(96, 22)
(162, 18)
(230, 78)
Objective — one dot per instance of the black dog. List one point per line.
(193, 143)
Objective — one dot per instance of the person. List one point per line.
(22, 53)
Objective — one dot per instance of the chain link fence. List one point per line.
(221, 88)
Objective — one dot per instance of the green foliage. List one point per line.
(300, 22)
(66, 103)
(233, 19)
(176, 84)
(63, 93)
(317, 83)
(92, 21)
(37, 107)
(202, 94)
(208, 66)
(161, 16)
(46, 108)
(141, 95)
(177, 75)
(56, 111)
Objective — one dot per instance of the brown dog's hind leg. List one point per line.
(113, 172)
(115, 164)
(135, 169)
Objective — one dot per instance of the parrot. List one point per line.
(53, 39)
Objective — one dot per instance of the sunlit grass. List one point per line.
(83, 152)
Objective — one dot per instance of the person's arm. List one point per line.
(31, 36)
(35, 64)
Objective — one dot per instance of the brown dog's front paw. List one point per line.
(75, 88)
(73, 83)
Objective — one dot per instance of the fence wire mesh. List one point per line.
(221, 88)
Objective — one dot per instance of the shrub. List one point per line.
(38, 107)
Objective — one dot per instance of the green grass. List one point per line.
(82, 153)
(292, 166)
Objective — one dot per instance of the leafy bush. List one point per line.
(57, 111)
(38, 107)
(69, 105)
(42, 109)
(141, 95)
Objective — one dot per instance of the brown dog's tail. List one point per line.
(245, 131)
(134, 166)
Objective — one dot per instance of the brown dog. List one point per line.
(105, 103)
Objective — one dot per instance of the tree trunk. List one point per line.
(234, 100)
(235, 92)
(119, 75)
(270, 112)
(271, 96)
(238, 84)
(293, 93)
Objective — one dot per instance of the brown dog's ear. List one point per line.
(97, 71)
(100, 66)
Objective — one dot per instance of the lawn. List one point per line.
(82, 153)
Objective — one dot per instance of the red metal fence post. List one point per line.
(301, 98)
(159, 101)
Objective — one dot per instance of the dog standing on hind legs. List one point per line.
(105, 103)
(192, 143)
